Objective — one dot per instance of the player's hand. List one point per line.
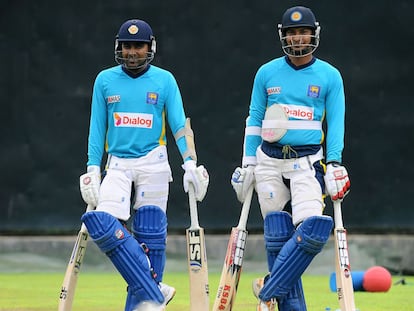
(337, 181)
(198, 176)
(90, 183)
(241, 180)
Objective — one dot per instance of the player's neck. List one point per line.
(135, 73)
(300, 61)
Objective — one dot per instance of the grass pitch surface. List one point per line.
(106, 292)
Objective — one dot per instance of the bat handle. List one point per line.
(88, 208)
(245, 209)
(193, 207)
(338, 214)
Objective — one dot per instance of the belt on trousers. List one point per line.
(277, 151)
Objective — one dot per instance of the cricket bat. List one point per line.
(197, 259)
(67, 291)
(232, 267)
(344, 285)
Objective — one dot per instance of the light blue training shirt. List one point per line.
(128, 115)
(312, 92)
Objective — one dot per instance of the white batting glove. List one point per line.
(90, 183)
(337, 181)
(198, 176)
(241, 180)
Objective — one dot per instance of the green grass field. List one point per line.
(106, 292)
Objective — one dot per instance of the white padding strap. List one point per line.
(253, 130)
(153, 194)
(292, 124)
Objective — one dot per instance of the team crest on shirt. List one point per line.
(152, 98)
(313, 91)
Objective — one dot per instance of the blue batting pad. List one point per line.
(296, 255)
(125, 253)
(278, 229)
(294, 300)
(150, 227)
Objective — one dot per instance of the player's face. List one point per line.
(299, 38)
(134, 53)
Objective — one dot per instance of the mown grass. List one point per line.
(106, 292)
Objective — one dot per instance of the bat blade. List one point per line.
(232, 267)
(67, 291)
(197, 260)
(344, 286)
(233, 261)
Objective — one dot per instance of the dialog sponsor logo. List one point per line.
(298, 112)
(143, 120)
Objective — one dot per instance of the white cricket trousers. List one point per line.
(305, 190)
(149, 175)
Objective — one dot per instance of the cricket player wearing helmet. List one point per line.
(283, 156)
(131, 106)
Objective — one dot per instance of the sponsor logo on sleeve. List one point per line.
(113, 99)
(274, 90)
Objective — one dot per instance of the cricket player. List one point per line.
(131, 106)
(284, 155)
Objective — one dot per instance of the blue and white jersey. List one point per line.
(312, 92)
(128, 116)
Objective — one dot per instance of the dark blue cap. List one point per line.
(135, 30)
(298, 16)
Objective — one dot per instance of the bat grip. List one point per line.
(245, 209)
(193, 207)
(88, 209)
(338, 214)
(83, 228)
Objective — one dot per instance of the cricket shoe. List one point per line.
(267, 305)
(167, 291)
